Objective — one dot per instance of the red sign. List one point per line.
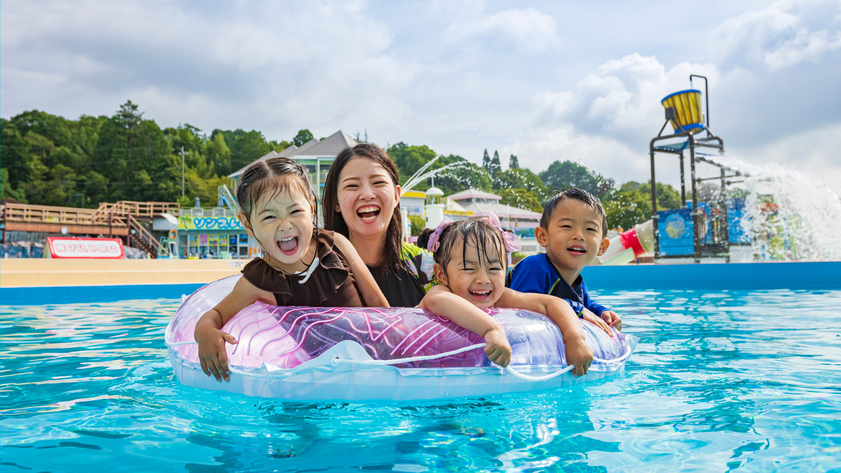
(60, 247)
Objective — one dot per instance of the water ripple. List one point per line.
(720, 381)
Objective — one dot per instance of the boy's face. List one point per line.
(573, 237)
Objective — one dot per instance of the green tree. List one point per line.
(278, 147)
(486, 161)
(631, 203)
(6, 189)
(16, 154)
(567, 174)
(303, 137)
(513, 163)
(59, 190)
(247, 147)
(522, 178)
(522, 199)
(219, 155)
(409, 159)
(495, 166)
(418, 224)
(136, 158)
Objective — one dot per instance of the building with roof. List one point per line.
(217, 233)
(412, 203)
(314, 155)
(478, 204)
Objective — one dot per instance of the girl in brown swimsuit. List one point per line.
(301, 266)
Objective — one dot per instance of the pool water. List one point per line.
(720, 381)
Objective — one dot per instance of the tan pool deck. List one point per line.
(32, 272)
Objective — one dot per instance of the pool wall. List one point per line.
(171, 279)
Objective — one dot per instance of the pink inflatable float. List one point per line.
(359, 354)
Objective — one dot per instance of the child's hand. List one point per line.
(212, 353)
(579, 354)
(498, 349)
(612, 319)
(593, 319)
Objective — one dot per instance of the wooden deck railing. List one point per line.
(144, 236)
(107, 213)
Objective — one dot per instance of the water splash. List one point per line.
(792, 215)
(421, 175)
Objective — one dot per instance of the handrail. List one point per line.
(143, 234)
(106, 214)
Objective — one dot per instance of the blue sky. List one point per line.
(542, 80)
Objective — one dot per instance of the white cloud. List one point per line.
(609, 157)
(780, 36)
(528, 29)
(619, 102)
(606, 122)
(272, 67)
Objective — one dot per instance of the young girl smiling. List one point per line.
(301, 265)
(470, 265)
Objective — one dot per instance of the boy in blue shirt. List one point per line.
(573, 229)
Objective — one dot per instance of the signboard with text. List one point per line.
(189, 223)
(96, 248)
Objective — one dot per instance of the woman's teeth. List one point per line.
(368, 213)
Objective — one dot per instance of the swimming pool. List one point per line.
(721, 381)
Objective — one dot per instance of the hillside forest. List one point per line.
(49, 160)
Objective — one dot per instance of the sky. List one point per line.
(545, 81)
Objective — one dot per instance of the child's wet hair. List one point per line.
(574, 194)
(478, 231)
(272, 176)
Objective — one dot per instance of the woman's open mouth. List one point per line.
(288, 246)
(369, 213)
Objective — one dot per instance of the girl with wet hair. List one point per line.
(470, 265)
(301, 265)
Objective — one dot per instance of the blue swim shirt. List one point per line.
(536, 274)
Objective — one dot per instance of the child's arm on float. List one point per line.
(603, 313)
(441, 301)
(365, 283)
(578, 352)
(209, 334)
(612, 318)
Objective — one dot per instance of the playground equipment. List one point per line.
(168, 248)
(630, 245)
(703, 229)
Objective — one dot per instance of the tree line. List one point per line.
(49, 160)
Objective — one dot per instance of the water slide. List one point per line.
(628, 246)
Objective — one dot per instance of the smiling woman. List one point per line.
(361, 201)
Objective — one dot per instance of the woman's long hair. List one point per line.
(334, 221)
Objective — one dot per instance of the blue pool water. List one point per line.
(721, 381)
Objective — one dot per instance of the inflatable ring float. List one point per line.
(368, 354)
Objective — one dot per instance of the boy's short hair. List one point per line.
(575, 194)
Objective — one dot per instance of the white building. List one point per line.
(316, 156)
(480, 204)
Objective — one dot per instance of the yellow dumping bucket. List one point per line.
(688, 113)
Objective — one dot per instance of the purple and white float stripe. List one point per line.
(374, 354)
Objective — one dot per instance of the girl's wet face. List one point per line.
(366, 197)
(282, 223)
(479, 278)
